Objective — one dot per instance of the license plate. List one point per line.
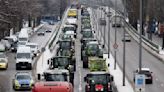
(23, 66)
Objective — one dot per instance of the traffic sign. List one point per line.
(115, 46)
(140, 83)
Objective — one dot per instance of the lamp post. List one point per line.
(108, 15)
(104, 28)
(115, 52)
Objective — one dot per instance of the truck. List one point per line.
(23, 37)
(63, 62)
(98, 81)
(72, 13)
(24, 58)
(92, 49)
(53, 86)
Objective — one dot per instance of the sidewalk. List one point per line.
(118, 76)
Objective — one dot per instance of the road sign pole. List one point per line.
(140, 44)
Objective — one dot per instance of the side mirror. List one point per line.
(57, 42)
(103, 46)
(74, 36)
(111, 78)
(94, 31)
(39, 76)
(32, 85)
(85, 78)
(108, 65)
(48, 61)
(71, 68)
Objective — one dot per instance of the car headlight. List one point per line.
(17, 83)
(31, 83)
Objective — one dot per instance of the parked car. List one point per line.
(3, 61)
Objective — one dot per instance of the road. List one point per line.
(6, 76)
(132, 60)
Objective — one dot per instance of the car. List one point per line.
(41, 32)
(6, 44)
(34, 48)
(127, 38)
(48, 30)
(2, 47)
(23, 81)
(14, 47)
(3, 61)
(148, 75)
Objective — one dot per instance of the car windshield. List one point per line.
(65, 53)
(22, 39)
(23, 55)
(65, 44)
(61, 62)
(87, 34)
(55, 77)
(96, 79)
(23, 77)
(69, 28)
(92, 47)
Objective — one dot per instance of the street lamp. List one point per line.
(108, 15)
(104, 27)
(115, 52)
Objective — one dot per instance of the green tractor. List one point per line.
(66, 44)
(68, 53)
(92, 49)
(62, 62)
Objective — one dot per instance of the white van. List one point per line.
(23, 37)
(23, 58)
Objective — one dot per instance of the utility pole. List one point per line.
(108, 15)
(104, 29)
(115, 52)
(140, 44)
(124, 45)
